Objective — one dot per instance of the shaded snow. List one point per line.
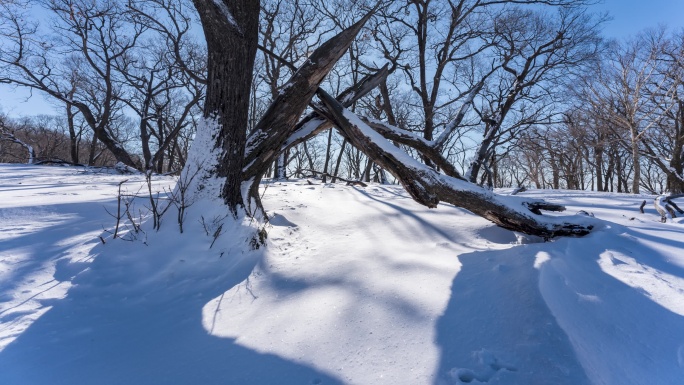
(356, 286)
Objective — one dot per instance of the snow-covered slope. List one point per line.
(356, 286)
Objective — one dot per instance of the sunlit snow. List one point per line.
(355, 286)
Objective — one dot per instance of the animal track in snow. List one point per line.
(492, 365)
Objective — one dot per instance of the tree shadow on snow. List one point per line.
(623, 333)
(112, 339)
(497, 328)
(509, 322)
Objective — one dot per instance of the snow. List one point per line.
(198, 178)
(356, 286)
(223, 8)
(305, 130)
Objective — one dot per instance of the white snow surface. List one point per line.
(355, 286)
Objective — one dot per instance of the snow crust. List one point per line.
(356, 286)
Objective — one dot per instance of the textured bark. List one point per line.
(279, 122)
(231, 30)
(315, 123)
(282, 116)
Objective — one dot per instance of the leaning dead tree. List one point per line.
(239, 161)
(666, 207)
(6, 134)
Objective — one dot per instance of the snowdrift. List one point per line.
(355, 286)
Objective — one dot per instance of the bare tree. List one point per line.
(74, 62)
(231, 30)
(538, 53)
(663, 144)
(7, 134)
(623, 91)
(163, 79)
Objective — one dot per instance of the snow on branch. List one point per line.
(223, 8)
(10, 137)
(666, 207)
(428, 187)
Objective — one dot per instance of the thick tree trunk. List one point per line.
(675, 184)
(231, 31)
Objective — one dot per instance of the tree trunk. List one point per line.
(366, 172)
(231, 31)
(482, 153)
(230, 28)
(636, 161)
(598, 158)
(675, 178)
(339, 161)
(308, 157)
(93, 150)
(327, 157)
(73, 139)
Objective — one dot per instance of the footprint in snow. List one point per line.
(492, 365)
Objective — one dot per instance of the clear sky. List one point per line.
(629, 17)
(632, 16)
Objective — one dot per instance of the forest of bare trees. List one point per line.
(501, 94)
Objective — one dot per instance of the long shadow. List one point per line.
(45, 243)
(408, 213)
(656, 261)
(561, 322)
(497, 328)
(91, 337)
(624, 335)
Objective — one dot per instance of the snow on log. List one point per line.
(428, 187)
(666, 207)
(313, 124)
(29, 149)
(280, 120)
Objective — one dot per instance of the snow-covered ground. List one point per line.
(356, 286)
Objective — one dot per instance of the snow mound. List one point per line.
(356, 286)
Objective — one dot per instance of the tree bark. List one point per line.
(231, 31)
(73, 138)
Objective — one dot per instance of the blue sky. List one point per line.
(629, 17)
(632, 16)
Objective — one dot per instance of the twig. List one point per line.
(349, 182)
